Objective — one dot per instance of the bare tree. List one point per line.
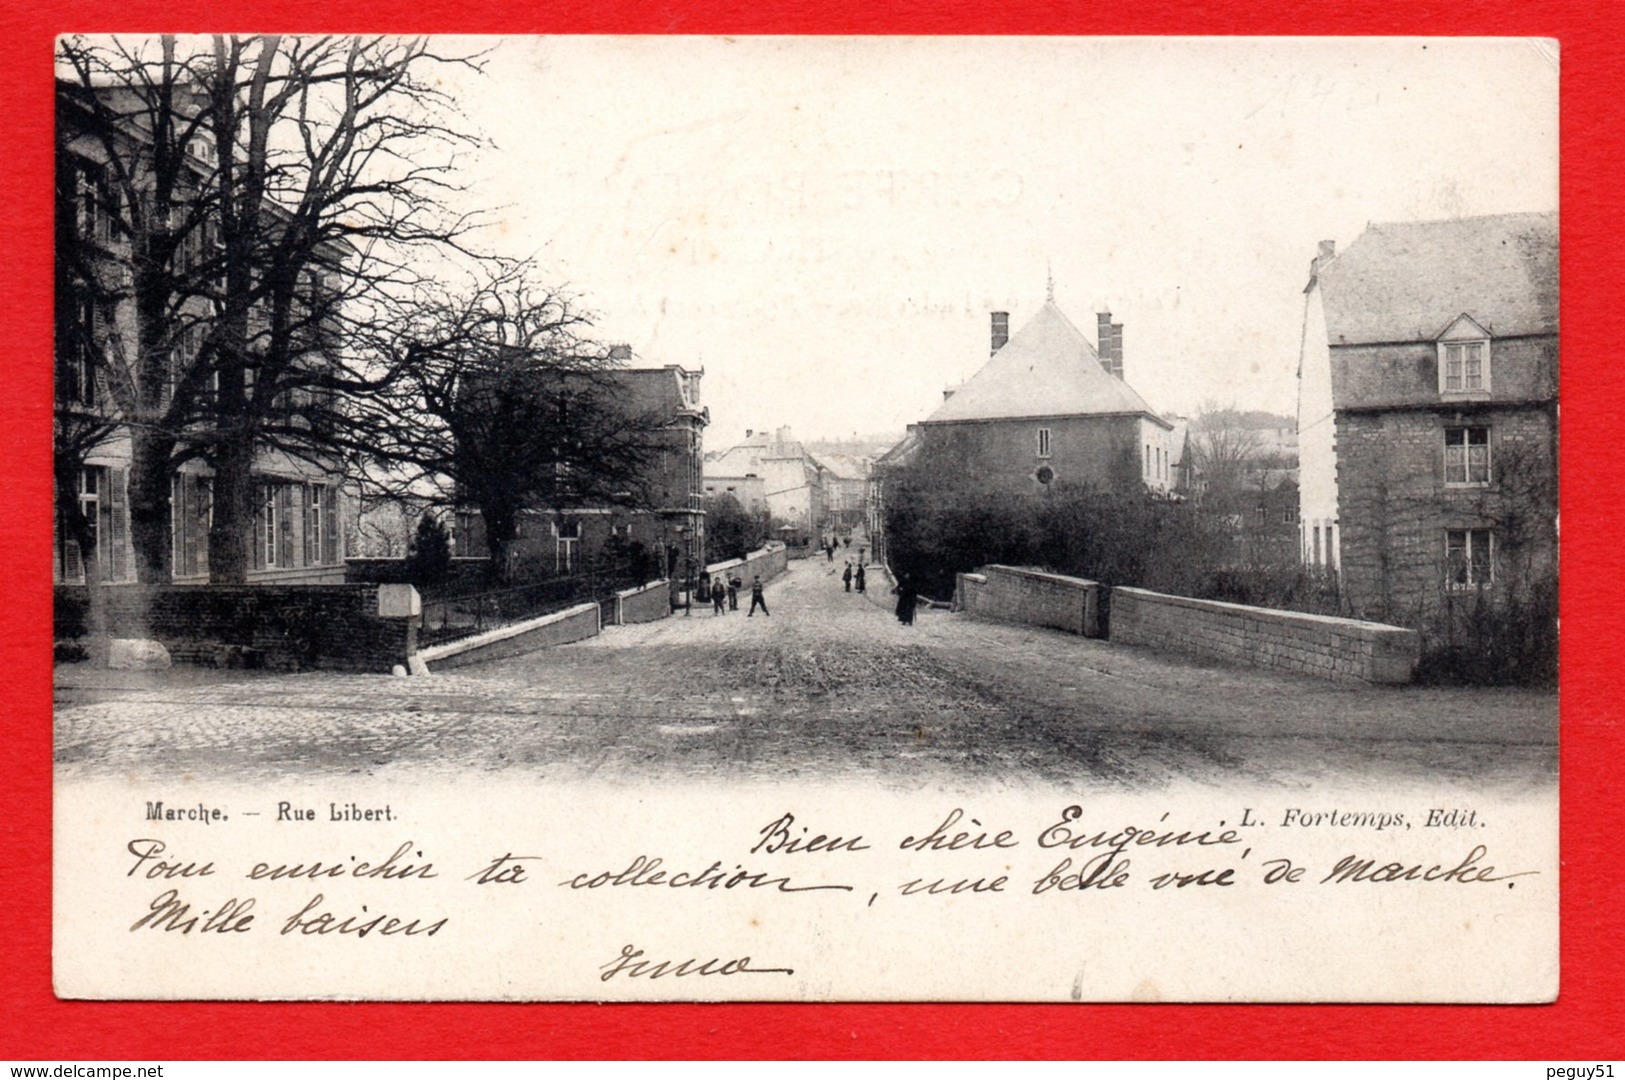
(261, 194)
(501, 401)
(1226, 448)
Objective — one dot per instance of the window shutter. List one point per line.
(119, 533)
(264, 523)
(330, 522)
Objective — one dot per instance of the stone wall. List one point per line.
(643, 604)
(1032, 597)
(284, 627)
(766, 562)
(559, 628)
(1319, 645)
(1394, 506)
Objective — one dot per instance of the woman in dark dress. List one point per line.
(905, 601)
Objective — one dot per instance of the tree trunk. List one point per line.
(150, 452)
(232, 530)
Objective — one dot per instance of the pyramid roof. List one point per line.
(1048, 368)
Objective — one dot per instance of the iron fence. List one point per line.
(451, 616)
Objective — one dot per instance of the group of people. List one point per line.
(850, 578)
(829, 545)
(853, 578)
(725, 595)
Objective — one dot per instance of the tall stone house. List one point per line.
(1049, 408)
(302, 502)
(1427, 417)
(846, 482)
(662, 515)
(790, 479)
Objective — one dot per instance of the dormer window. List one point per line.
(1464, 358)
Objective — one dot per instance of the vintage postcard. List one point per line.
(814, 519)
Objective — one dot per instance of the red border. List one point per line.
(1583, 1025)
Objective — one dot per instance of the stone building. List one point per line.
(789, 478)
(661, 516)
(1049, 408)
(104, 168)
(1427, 417)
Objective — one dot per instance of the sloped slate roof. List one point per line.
(1408, 281)
(1047, 368)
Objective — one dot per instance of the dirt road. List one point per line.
(830, 684)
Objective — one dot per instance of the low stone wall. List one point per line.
(766, 562)
(643, 604)
(560, 628)
(1331, 648)
(284, 627)
(1031, 597)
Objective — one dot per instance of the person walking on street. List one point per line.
(905, 601)
(734, 585)
(857, 579)
(719, 596)
(846, 576)
(756, 598)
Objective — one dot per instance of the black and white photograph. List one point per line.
(806, 518)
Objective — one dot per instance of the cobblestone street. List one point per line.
(829, 685)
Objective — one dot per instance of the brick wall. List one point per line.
(1031, 597)
(285, 627)
(559, 628)
(1331, 648)
(644, 604)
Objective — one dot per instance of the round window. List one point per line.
(1044, 475)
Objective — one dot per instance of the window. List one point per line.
(1259, 514)
(315, 522)
(569, 544)
(1467, 455)
(78, 351)
(265, 531)
(1045, 475)
(274, 526)
(1464, 366)
(1043, 442)
(1289, 515)
(1469, 558)
(191, 510)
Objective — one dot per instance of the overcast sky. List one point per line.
(825, 224)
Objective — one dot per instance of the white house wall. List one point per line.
(1317, 459)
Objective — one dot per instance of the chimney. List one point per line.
(1109, 339)
(1001, 329)
(1327, 252)
(620, 352)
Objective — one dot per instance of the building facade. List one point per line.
(790, 479)
(1048, 408)
(102, 388)
(660, 517)
(1428, 415)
